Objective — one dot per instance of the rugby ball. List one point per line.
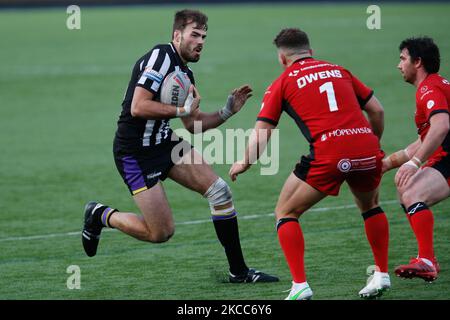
(175, 88)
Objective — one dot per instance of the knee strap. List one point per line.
(218, 195)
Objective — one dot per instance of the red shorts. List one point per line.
(362, 173)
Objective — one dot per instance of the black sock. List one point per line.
(228, 233)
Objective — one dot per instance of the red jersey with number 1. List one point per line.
(325, 100)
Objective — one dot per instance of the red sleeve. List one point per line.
(363, 92)
(433, 101)
(271, 105)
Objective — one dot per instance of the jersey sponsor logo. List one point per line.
(151, 74)
(318, 66)
(430, 104)
(344, 165)
(153, 175)
(362, 164)
(425, 94)
(310, 78)
(347, 132)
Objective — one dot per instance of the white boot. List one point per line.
(376, 285)
(300, 291)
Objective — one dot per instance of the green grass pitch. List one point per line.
(60, 95)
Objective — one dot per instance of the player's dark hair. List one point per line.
(292, 38)
(425, 49)
(184, 17)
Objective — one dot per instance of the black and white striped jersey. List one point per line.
(149, 72)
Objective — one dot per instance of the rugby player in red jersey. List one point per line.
(424, 175)
(327, 102)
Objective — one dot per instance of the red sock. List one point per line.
(409, 220)
(407, 215)
(422, 222)
(293, 245)
(377, 232)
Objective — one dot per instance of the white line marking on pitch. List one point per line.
(254, 216)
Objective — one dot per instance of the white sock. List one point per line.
(380, 274)
(299, 286)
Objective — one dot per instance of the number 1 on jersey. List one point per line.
(328, 87)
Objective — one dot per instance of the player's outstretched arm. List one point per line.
(375, 113)
(400, 157)
(236, 101)
(206, 121)
(256, 146)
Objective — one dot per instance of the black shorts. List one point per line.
(143, 168)
(441, 163)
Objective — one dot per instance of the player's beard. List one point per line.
(408, 77)
(409, 74)
(188, 54)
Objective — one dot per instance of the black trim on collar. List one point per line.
(300, 59)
